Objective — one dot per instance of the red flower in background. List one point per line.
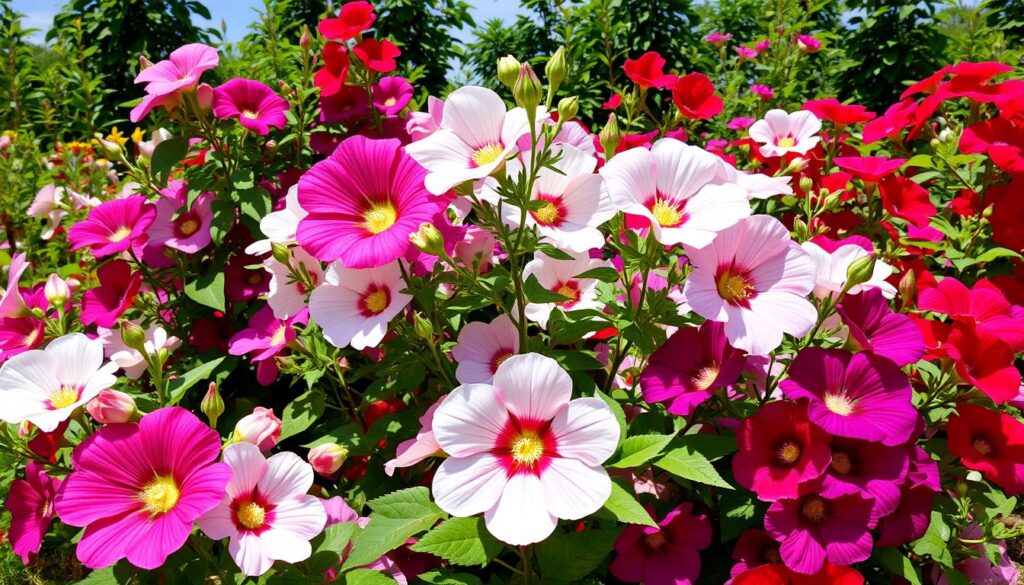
(779, 574)
(905, 199)
(331, 77)
(647, 71)
(983, 306)
(694, 95)
(990, 442)
(1007, 218)
(104, 304)
(354, 18)
(613, 102)
(377, 55)
(1000, 139)
(985, 362)
(839, 113)
(870, 169)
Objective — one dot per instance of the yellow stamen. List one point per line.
(160, 495)
(189, 227)
(546, 215)
(814, 509)
(705, 377)
(841, 463)
(789, 452)
(527, 449)
(376, 301)
(31, 338)
(839, 403)
(571, 293)
(787, 142)
(279, 335)
(734, 288)
(379, 217)
(502, 358)
(121, 233)
(250, 114)
(64, 397)
(252, 515)
(655, 541)
(982, 446)
(666, 213)
(390, 101)
(486, 155)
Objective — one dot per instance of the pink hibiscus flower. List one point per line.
(665, 554)
(781, 133)
(874, 327)
(30, 502)
(354, 307)
(103, 305)
(185, 230)
(256, 106)
(179, 72)
(137, 488)
(482, 347)
(114, 226)
(391, 95)
(265, 338)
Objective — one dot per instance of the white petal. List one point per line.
(287, 476)
(303, 517)
(533, 386)
(464, 486)
(248, 553)
(77, 357)
(586, 430)
(217, 524)
(248, 466)
(285, 546)
(469, 420)
(521, 516)
(573, 490)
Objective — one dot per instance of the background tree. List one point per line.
(426, 31)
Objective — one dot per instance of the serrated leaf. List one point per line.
(337, 537)
(460, 541)
(687, 463)
(625, 507)
(301, 413)
(396, 517)
(366, 577)
(640, 449)
(572, 556)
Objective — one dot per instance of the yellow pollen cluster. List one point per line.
(839, 403)
(390, 101)
(64, 397)
(250, 114)
(279, 335)
(705, 377)
(734, 288)
(546, 215)
(379, 217)
(121, 233)
(656, 540)
(376, 301)
(252, 515)
(814, 509)
(31, 338)
(841, 463)
(787, 142)
(501, 359)
(527, 449)
(789, 452)
(568, 292)
(160, 495)
(189, 227)
(666, 213)
(485, 155)
(982, 446)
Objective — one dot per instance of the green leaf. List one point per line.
(625, 507)
(100, 577)
(536, 293)
(713, 447)
(439, 577)
(571, 556)
(738, 511)
(337, 537)
(366, 577)
(181, 384)
(620, 415)
(602, 273)
(553, 252)
(301, 413)
(933, 543)
(898, 564)
(460, 541)
(207, 290)
(687, 463)
(640, 449)
(396, 517)
(167, 154)
(994, 253)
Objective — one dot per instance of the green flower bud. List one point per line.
(134, 336)
(556, 70)
(212, 405)
(424, 330)
(567, 108)
(281, 253)
(908, 288)
(508, 70)
(428, 239)
(806, 184)
(859, 272)
(527, 90)
(610, 137)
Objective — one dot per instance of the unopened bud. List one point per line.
(423, 328)
(908, 289)
(57, 291)
(281, 253)
(610, 137)
(806, 184)
(934, 143)
(327, 459)
(111, 149)
(212, 405)
(527, 90)
(134, 336)
(204, 96)
(947, 135)
(111, 406)
(508, 70)
(800, 230)
(860, 271)
(144, 63)
(261, 428)
(305, 39)
(556, 70)
(567, 108)
(428, 239)
(795, 166)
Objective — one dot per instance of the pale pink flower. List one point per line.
(166, 79)
(287, 296)
(261, 428)
(521, 452)
(833, 266)
(781, 133)
(111, 406)
(279, 226)
(560, 276)
(482, 347)
(48, 203)
(354, 307)
(128, 359)
(423, 446)
(422, 124)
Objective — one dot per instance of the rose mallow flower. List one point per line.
(781, 133)
(30, 502)
(482, 347)
(113, 227)
(559, 276)
(666, 554)
(354, 307)
(254, 104)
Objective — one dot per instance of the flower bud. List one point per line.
(860, 271)
(567, 108)
(327, 459)
(281, 253)
(908, 288)
(261, 428)
(800, 230)
(305, 39)
(423, 328)
(57, 291)
(144, 63)
(508, 70)
(556, 70)
(527, 90)
(610, 137)
(795, 166)
(806, 184)
(947, 135)
(428, 239)
(934, 143)
(134, 336)
(111, 406)
(212, 405)
(111, 149)
(204, 95)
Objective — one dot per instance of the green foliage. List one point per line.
(425, 30)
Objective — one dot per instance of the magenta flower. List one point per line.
(391, 95)
(913, 514)
(812, 529)
(762, 91)
(746, 53)
(754, 548)
(868, 468)
(665, 554)
(718, 39)
(185, 230)
(104, 304)
(860, 396)
(808, 44)
(113, 227)
(364, 202)
(690, 366)
(265, 338)
(255, 105)
(30, 503)
(179, 72)
(874, 327)
(779, 449)
(740, 123)
(137, 488)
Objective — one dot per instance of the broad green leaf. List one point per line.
(167, 154)
(689, 464)
(994, 253)
(460, 541)
(99, 577)
(207, 289)
(536, 293)
(366, 577)
(898, 564)
(180, 385)
(571, 556)
(301, 413)
(440, 577)
(602, 273)
(640, 449)
(625, 507)
(337, 537)
(620, 415)
(738, 511)
(713, 447)
(396, 517)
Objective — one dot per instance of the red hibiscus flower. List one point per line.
(907, 200)
(377, 55)
(353, 19)
(331, 77)
(839, 113)
(694, 95)
(647, 71)
(990, 442)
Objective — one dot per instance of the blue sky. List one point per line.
(237, 14)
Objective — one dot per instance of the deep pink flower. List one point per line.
(103, 305)
(912, 516)
(241, 283)
(740, 123)
(838, 113)
(874, 327)
(869, 169)
(762, 91)
(185, 230)
(746, 53)
(30, 502)
(986, 362)
(137, 488)
(353, 19)
(813, 529)
(904, 198)
(255, 105)
(348, 105)
(718, 39)
(665, 554)
(179, 72)
(808, 44)
(114, 226)
(991, 442)
(690, 366)
(779, 450)
(377, 55)
(860, 396)
(363, 202)
(868, 468)
(391, 94)
(754, 548)
(265, 338)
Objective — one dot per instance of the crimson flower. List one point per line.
(377, 55)
(354, 18)
(647, 71)
(694, 95)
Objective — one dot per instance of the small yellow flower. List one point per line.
(138, 135)
(116, 136)
(11, 133)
